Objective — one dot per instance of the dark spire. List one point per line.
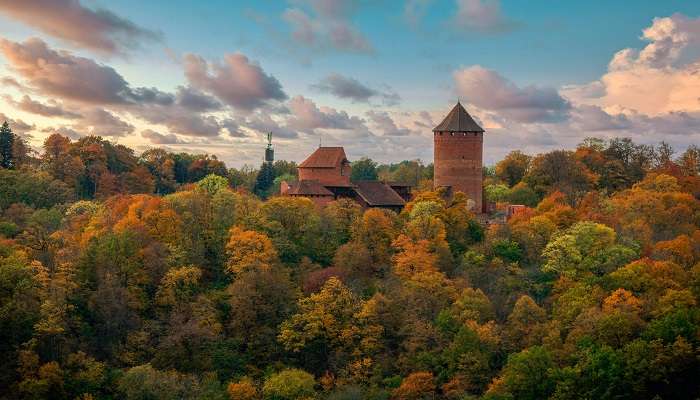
(458, 120)
(269, 151)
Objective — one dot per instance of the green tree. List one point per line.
(586, 247)
(289, 384)
(264, 180)
(364, 169)
(212, 184)
(527, 376)
(7, 141)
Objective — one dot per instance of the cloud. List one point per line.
(100, 122)
(237, 82)
(10, 81)
(69, 20)
(233, 128)
(158, 138)
(648, 94)
(662, 77)
(387, 125)
(261, 122)
(53, 109)
(487, 89)
(589, 118)
(179, 120)
(64, 75)
(325, 25)
(481, 16)
(17, 125)
(61, 74)
(64, 131)
(350, 88)
(307, 117)
(192, 99)
(425, 121)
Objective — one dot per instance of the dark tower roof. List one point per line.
(458, 120)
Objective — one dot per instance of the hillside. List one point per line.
(163, 275)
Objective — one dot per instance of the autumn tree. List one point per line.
(559, 170)
(417, 386)
(513, 167)
(289, 384)
(249, 250)
(243, 389)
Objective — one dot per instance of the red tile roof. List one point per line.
(377, 193)
(325, 157)
(308, 188)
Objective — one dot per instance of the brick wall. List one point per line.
(458, 163)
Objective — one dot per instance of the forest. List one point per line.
(167, 275)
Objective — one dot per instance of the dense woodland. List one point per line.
(170, 276)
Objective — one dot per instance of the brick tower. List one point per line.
(458, 144)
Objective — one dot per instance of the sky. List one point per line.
(372, 76)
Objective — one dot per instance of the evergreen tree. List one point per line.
(264, 180)
(364, 169)
(7, 140)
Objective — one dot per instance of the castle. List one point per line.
(458, 147)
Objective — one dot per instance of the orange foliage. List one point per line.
(417, 386)
(249, 250)
(622, 300)
(413, 257)
(242, 390)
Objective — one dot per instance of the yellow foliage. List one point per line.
(249, 250)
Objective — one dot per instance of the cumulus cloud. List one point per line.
(306, 116)
(662, 77)
(64, 75)
(64, 131)
(349, 88)
(386, 124)
(53, 109)
(262, 122)
(237, 81)
(590, 118)
(489, 90)
(326, 24)
(17, 125)
(69, 20)
(179, 120)
(159, 138)
(100, 122)
(232, 127)
(192, 99)
(649, 94)
(481, 16)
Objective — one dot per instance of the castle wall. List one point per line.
(458, 163)
(339, 176)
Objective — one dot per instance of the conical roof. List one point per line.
(458, 120)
